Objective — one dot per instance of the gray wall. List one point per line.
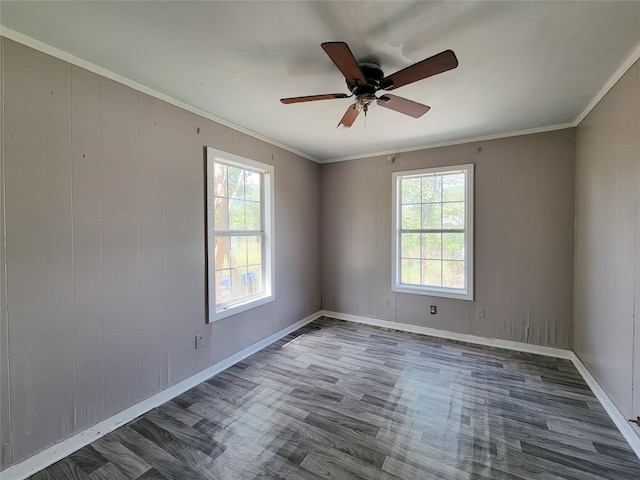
(607, 243)
(104, 201)
(524, 212)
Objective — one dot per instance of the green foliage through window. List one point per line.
(432, 228)
(239, 234)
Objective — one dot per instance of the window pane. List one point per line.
(221, 213)
(453, 274)
(453, 246)
(222, 253)
(453, 215)
(453, 188)
(431, 188)
(241, 274)
(411, 216)
(411, 190)
(254, 250)
(223, 285)
(252, 216)
(410, 245)
(220, 175)
(235, 179)
(252, 186)
(431, 246)
(238, 283)
(253, 280)
(410, 272)
(432, 216)
(236, 215)
(258, 275)
(432, 273)
(238, 252)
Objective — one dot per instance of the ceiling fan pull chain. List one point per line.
(366, 107)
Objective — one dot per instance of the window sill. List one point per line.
(241, 307)
(434, 292)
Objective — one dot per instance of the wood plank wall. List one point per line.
(524, 211)
(104, 200)
(607, 290)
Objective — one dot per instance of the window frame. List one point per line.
(218, 312)
(466, 293)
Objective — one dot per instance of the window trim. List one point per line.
(463, 294)
(268, 248)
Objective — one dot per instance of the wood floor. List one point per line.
(346, 401)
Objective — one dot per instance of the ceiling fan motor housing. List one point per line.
(373, 74)
(366, 94)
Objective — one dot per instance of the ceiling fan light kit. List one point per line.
(364, 80)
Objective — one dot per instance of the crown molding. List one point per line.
(428, 146)
(618, 74)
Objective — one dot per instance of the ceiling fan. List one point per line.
(365, 79)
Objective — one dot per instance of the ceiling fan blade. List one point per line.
(311, 98)
(349, 117)
(402, 105)
(439, 63)
(341, 55)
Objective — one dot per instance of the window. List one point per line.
(240, 246)
(433, 232)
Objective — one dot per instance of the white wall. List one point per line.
(104, 253)
(524, 194)
(607, 243)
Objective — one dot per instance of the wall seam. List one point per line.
(73, 267)
(164, 233)
(634, 323)
(196, 324)
(5, 286)
(140, 329)
(101, 241)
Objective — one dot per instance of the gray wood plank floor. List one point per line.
(347, 401)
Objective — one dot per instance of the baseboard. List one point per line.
(461, 337)
(66, 447)
(616, 415)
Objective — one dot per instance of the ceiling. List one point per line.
(523, 65)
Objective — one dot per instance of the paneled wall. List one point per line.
(524, 212)
(104, 254)
(607, 287)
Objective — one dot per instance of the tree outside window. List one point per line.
(239, 230)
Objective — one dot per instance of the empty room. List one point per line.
(319, 239)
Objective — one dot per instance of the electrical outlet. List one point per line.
(434, 310)
(480, 312)
(387, 301)
(200, 340)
